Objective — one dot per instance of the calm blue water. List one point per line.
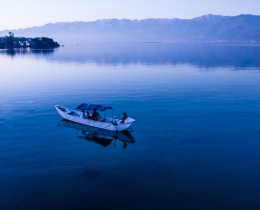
(197, 133)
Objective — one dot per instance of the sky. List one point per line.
(28, 13)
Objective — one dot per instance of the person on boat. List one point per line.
(95, 115)
(82, 114)
(87, 115)
(124, 118)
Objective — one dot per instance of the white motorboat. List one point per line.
(102, 122)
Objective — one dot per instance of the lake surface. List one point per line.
(196, 139)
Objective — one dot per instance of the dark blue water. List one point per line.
(196, 137)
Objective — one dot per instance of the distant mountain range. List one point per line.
(208, 28)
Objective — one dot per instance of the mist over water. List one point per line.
(195, 141)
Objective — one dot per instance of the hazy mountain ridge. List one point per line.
(204, 28)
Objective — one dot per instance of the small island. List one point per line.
(9, 41)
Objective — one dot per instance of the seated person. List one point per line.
(87, 115)
(95, 115)
(124, 118)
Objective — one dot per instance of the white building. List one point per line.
(30, 43)
(10, 34)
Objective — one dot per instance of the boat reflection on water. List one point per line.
(97, 135)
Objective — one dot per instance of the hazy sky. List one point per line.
(28, 13)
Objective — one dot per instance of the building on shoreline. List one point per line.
(9, 41)
(10, 34)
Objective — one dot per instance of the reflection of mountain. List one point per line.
(100, 136)
(205, 28)
(201, 55)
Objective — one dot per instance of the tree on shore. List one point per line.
(9, 42)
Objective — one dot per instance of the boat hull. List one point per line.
(75, 116)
